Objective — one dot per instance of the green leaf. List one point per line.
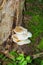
(19, 58)
(13, 53)
(21, 55)
(40, 46)
(1, 55)
(28, 59)
(23, 62)
(41, 62)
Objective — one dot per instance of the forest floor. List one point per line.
(33, 21)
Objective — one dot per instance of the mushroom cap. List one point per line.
(15, 38)
(20, 30)
(22, 42)
(24, 36)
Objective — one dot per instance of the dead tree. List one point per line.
(8, 9)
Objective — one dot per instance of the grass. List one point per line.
(35, 24)
(40, 46)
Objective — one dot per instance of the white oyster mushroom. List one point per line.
(29, 34)
(24, 36)
(20, 30)
(15, 38)
(22, 42)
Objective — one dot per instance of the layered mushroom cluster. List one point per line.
(21, 35)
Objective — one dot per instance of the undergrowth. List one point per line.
(20, 59)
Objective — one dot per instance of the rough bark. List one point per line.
(8, 8)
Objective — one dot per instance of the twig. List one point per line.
(37, 55)
(6, 53)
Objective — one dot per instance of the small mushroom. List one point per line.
(15, 38)
(24, 36)
(20, 30)
(20, 42)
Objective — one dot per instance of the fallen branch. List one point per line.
(37, 55)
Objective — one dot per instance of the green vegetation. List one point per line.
(40, 46)
(35, 23)
(21, 59)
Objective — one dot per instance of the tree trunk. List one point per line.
(8, 8)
